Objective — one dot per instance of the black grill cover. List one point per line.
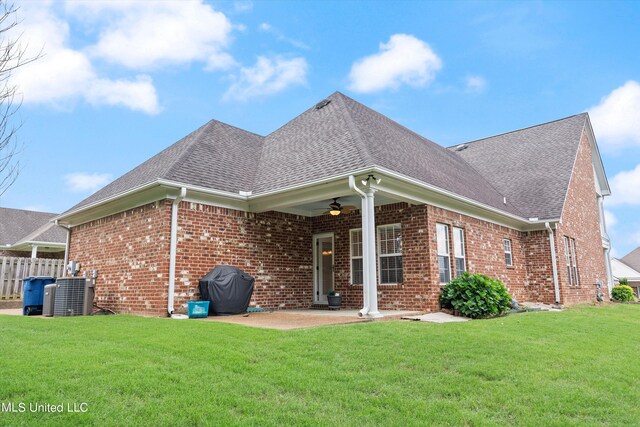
(228, 289)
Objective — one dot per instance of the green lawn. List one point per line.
(578, 367)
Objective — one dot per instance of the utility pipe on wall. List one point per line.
(365, 245)
(66, 248)
(173, 248)
(553, 262)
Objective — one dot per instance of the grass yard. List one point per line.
(578, 367)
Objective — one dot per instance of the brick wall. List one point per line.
(130, 250)
(273, 247)
(581, 221)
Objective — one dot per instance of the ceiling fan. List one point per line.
(336, 208)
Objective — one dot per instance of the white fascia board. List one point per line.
(597, 159)
(27, 245)
(423, 193)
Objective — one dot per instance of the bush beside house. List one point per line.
(476, 296)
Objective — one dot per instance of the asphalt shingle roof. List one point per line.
(17, 225)
(216, 156)
(632, 259)
(532, 167)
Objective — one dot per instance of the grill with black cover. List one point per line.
(228, 289)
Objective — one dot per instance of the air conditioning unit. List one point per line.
(70, 297)
(49, 300)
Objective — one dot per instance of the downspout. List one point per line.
(66, 248)
(553, 262)
(173, 248)
(365, 246)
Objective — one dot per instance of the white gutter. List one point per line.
(553, 262)
(173, 248)
(365, 245)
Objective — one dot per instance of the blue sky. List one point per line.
(120, 81)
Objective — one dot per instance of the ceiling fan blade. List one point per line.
(349, 209)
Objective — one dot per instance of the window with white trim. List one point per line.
(508, 254)
(572, 263)
(444, 258)
(458, 251)
(575, 262)
(356, 256)
(390, 254)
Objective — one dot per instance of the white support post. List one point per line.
(34, 251)
(365, 257)
(371, 254)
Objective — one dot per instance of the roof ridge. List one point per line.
(31, 211)
(365, 156)
(517, 130)
(189, 145)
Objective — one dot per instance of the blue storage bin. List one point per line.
(33, 294)
(198, 309)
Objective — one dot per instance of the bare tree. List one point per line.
(12, 56)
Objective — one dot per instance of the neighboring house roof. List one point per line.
(531, 167)
(632, 259)
(19, 228)
(621, 270)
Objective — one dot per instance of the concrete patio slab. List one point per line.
(437, 318)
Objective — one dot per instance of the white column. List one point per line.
(34, 251)
(365, 257)
(371, 253)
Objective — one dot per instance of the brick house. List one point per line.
(525, 207)
(30, 234)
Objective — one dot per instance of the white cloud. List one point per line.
(147, 35)
(83, 181)
(268, 76)
(268, 28)
(610, 219)
(63, 74)
(616, 120)
(625, 188)
(475, 84)
(243, 6)
(404, 59)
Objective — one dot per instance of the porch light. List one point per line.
(371, 177)
(334, 212)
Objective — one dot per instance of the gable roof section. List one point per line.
(216, 156)
(632, 259)
(622, 270)
(531, 167)
(18, 225)
(345, 135)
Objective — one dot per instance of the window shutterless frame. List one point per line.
(390, 254)
(508, 253)
(575, 262)
(458, 251)
(444, 253)
(355, 245)
(567, 256)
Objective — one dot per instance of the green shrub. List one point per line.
(476, 296)
(622, 293)
(624, 281)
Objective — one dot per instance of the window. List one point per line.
(444, 261)
(390, 253)
(575, 262)
(356, 257)
(458, 251)
(508, 255)
(572, 262)
(567, 256)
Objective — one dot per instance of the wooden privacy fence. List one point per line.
(13, 270)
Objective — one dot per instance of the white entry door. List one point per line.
(322, 267)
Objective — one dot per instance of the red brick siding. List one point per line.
(273, 247)
(539, 279)
(130, 250)
(581, 221)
